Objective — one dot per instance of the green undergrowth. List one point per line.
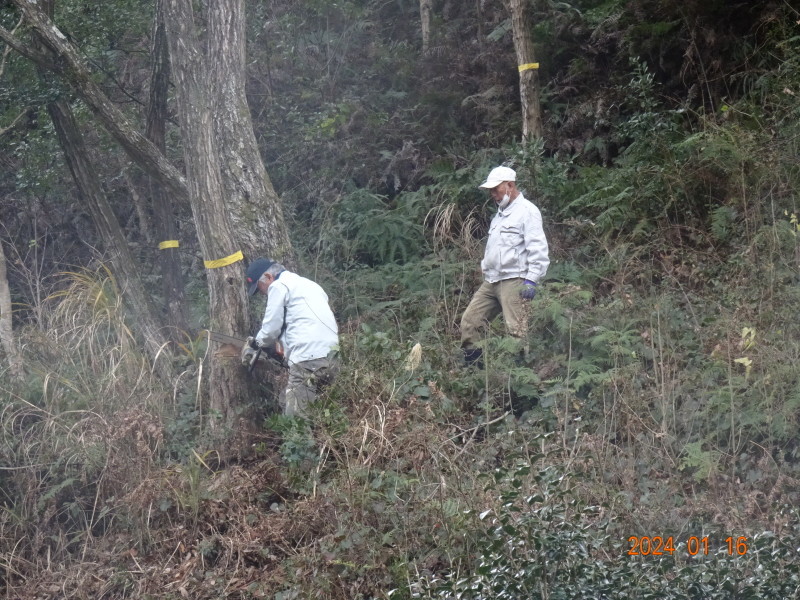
(656, 396)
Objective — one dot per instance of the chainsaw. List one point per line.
(274, 355)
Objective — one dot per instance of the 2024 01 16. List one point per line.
(660, 546)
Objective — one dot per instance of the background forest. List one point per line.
(658, 413)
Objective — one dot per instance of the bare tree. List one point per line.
(528, 70)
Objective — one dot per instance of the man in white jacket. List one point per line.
(515, 260)
(297, 315)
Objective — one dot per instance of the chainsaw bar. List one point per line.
(224, 339)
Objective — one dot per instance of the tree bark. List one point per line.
(69, 64)
(166, 230)
(124, 265)
(228, 303)
(425, 8)
(528, 75)
(256, 210)
(7, 340)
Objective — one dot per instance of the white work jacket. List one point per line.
(299, 316)
(517, 246)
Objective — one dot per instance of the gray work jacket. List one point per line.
(517, 246)
(298, 314)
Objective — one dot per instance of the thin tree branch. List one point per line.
(14, 123)
(8, 50)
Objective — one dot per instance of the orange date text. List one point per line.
(644, 545)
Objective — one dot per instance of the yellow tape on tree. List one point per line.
(224, 262)
(527, 66)
(168, 244)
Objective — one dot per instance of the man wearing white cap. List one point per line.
(515, 260)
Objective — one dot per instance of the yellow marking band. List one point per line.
(527, 66)
(168, 244)
(224, 262)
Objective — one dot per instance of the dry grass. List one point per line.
(451, 230)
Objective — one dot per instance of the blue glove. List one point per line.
(528, 291)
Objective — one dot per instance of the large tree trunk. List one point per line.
(228, 303)
(528, 70)
(255, 209)
(155, 131)
(7, 340)
(107, 225)
(206, 192)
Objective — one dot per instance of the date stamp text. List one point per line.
(643, 545)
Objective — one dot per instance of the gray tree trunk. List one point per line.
(164, 221)
(256, 210)
(206, 192)
(425, 8)
(528, 77)
(7, 340)
(228, 303)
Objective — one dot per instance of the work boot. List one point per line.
(473, 356)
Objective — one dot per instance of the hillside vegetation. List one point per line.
(657, 414)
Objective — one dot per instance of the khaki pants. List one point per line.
(306, 379)
(489, 301)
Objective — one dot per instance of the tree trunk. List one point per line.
(69, 64)
(140, 206)
(107, 225)
(528, 70)
(256, 210)
(166, 230)
(6, 330)
(425, 7)
(479, 13)
(149, 156)
(228, 303)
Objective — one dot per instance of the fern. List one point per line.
(722, 223)
(367, 230)
(587, 373)
(615, 343)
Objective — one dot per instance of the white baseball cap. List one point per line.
(497, 176)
